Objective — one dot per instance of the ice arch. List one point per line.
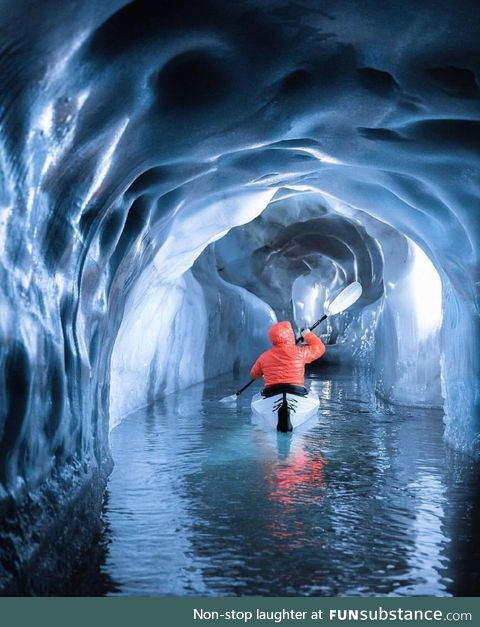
(123, 123)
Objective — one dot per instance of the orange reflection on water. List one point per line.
(301, 470)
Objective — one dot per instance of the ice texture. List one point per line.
(409, 324)
(190, 332)
(174, 175)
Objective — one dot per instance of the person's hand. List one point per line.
(304, 332)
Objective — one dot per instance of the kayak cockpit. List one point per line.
(284, 408)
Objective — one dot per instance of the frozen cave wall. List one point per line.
(133, 136)
(192, 329)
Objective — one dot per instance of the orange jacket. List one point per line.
(285, 362)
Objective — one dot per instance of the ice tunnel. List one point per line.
(176, 176)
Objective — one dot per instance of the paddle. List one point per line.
(343, 301)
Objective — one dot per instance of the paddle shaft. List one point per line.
(299, 339)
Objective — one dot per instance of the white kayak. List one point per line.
(284, 411)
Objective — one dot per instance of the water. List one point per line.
(368, 501)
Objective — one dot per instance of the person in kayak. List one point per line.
(283, 366)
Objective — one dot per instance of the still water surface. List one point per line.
(367, 501)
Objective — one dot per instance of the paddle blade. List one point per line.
(229, 399)
(345, 299)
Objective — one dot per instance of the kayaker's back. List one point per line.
(283, 364)
(285, 361)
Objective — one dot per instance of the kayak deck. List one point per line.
(284, 411)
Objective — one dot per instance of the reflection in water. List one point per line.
(325, 390)
(300, 470)
(367, 501)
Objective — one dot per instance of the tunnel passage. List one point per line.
(287, 264)
(135, 137)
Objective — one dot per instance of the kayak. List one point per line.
(284, 411)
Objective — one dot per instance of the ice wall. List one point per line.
(134, 135)
(407, 335)
(180, 327)
(176, 334)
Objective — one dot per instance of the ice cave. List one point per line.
(176, 176)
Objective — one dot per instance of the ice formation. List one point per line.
(174, 175)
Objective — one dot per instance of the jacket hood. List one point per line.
(281, 334)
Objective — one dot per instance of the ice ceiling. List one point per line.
(341, 140)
